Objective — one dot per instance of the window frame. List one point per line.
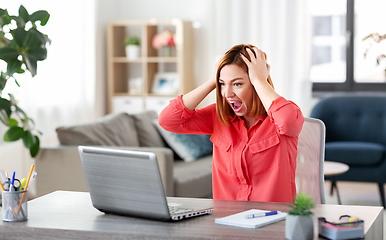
(349, 85)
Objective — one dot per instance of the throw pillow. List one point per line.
(110, 130)
(188, 147)
(148, 135)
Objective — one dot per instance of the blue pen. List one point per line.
(12, 181)
(263, 214)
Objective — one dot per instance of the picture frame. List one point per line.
(165, 83)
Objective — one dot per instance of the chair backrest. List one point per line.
(353, 118)
(309, 176)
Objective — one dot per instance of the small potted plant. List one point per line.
(299, 222)
(132, 47)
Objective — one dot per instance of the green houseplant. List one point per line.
(22, 45)
(133, 40)
(299, 222)
(132, 47)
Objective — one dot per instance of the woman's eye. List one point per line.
(237, 84)
(221, 84)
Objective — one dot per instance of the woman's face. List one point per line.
(236, 88)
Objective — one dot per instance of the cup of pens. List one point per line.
(14, 206)
(14, 196)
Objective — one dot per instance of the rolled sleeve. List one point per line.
(175, 116)
(287, 116)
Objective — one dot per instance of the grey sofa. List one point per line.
(185, 161)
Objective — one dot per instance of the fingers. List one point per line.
(254, 54)
(269, 68)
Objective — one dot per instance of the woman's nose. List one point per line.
(228, 92)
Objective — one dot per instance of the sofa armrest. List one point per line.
(60, 168)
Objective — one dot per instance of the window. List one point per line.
(338, 59)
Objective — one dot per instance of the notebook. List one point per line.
(129, 183)
(241, 220)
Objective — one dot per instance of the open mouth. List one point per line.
(236, 105)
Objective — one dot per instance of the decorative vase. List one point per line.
(299, 227)
(132, 51)
(167, 51)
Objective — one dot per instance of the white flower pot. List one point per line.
(132, 51)
(299, 227)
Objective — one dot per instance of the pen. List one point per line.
(12, 181)
(262, 214)
(25, 188)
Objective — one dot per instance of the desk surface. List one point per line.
(70, 215)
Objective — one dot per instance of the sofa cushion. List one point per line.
(148, 135)
(109, 130)
(188, 147)
(355, 153)
(193, 179)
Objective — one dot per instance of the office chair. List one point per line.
(309, 176)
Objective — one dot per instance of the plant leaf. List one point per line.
(13, 67)
(3, 80)
(8, 54)
(23, 13)
(31, 63)
(5, 105)
(40, 36)
(13, 134)
(13, 122)
(31, 40)
(18, 34)
(39, 53)
(4, 17)
(34, 150)
(28, 139)
(41, 16)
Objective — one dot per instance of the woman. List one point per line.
(254, 130)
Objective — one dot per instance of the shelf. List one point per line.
(131, 81)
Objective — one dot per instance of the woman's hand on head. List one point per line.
(258, 68)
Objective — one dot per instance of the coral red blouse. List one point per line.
(250, 165)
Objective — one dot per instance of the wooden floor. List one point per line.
(351, 193)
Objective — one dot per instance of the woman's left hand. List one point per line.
(258, 68)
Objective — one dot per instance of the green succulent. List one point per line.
(133, 40)
(302, 205)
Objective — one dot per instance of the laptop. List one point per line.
(129, 183)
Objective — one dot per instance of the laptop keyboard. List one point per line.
(176, 210)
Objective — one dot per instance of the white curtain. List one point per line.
(63, 91)
(281, 28)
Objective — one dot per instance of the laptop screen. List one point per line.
(124, 182)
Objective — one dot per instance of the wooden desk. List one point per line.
(333, 169)
(70, 215)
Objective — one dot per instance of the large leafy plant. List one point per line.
(22, 45)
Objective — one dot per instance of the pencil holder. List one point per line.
(14, 206)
